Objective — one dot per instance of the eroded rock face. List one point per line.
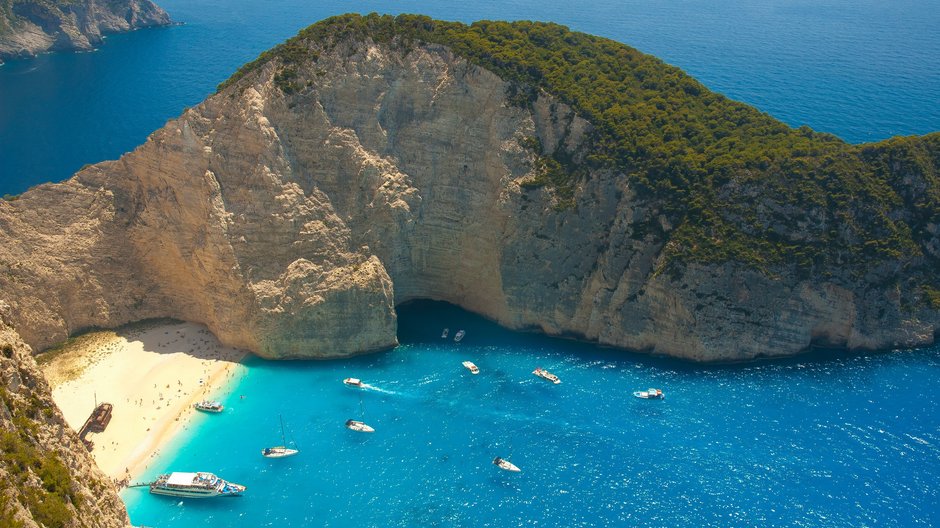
(28, 27)
(292, 225)
(37, 443)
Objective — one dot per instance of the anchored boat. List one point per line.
(459, 335)
(194, 485)
(209, 406)
(506, 465)
(280, 451)
(361, 427)
(471, 367)
(544, 374)
(650, 394)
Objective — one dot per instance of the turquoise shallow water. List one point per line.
(823, 440)
(861, 69)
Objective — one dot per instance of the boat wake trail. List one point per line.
(366, 386)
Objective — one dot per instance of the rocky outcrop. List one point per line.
(292, 217)
(47, 477)
(28, 27)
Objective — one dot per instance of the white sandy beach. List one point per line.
(152, 375)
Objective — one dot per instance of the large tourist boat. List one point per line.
(544, 374)
(209, 406)
(194, 485)
(650, 394)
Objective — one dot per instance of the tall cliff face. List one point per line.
(334, 179)
(47, 477)
(28, 27)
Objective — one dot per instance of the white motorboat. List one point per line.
(471, 367)
(194, 485)
(209, 406)
(445, 333)
(506, 465)
(361, 427)
(281, 451)
(544, 374)
(353, 382)
(459, 335)
(650, 394)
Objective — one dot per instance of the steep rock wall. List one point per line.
(47, 477)
(291, 224)
(28, 27)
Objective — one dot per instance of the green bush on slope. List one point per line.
(737, 184)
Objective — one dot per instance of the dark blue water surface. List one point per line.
(822, 440)
(861, 69)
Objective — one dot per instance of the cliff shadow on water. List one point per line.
(421, 322)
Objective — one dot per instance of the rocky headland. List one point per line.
(29, 27)
(47, 477)
(548, 180)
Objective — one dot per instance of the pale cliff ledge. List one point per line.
(336, 178)
(29, 27)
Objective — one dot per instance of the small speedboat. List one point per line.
(544, 374)
(356, 425)
(209, 406)
(506, 465)
(445, 333)
(471, 367)
(459, 335)
(650, 394)
(353, 382)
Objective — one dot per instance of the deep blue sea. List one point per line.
(822, 440)
(864, 70)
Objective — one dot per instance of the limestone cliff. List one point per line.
(28, 27)
(341, 175)
(47, 477)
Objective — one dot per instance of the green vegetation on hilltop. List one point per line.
(737, 184)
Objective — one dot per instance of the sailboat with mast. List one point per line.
(282, 450)
(357, 425)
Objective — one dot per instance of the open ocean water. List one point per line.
(823, 440)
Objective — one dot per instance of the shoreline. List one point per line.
(152, 374)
